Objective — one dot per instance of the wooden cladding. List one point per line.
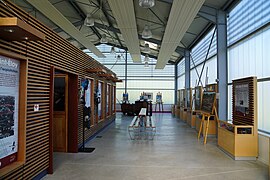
(96, 70)
(54, 51)
(244, 101)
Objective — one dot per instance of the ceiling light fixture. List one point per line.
(146, 58)
(113, 50)
(118, 58)
(146, 3)
(89, 20)
(103, 39)
(146, 64)
(147, 48)
(146, 34)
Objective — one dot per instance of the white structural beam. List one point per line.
(181, 16)
(48, 10)
(123, 11)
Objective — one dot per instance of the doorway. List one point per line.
(63, 134)
(60, 113)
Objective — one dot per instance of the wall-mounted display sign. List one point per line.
(9, 103)
(242, 99)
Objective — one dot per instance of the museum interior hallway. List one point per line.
(175, 153)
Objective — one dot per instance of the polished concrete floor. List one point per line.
(175, 153)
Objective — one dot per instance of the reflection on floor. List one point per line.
(174, 154)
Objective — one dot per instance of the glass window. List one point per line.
(246, 17)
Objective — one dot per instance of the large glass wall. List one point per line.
(248, 53)
(181, 74)
(139, 78)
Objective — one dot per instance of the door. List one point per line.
(60, 114)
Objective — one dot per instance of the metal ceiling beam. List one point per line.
(179, 49)
(207, 29)
(110, 23)
(166, 1)
(208, 13)
(49, 11)
(124, 48)
(83, 16)
(230, 4)
(157, 17)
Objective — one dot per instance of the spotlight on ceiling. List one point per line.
(146, 3)
(89, 20)
(147, 48)
(146, 58)
(113, 50)
(103, 39)
(146, 34)
(118, 58)
(146, 64)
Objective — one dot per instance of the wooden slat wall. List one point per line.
(57, 52)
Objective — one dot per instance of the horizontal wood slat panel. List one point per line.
(41, 56)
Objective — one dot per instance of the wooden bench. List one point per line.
(150, 128)
(134, 127)
(142, 125)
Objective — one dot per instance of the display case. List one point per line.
(182, 104)
(239, 138)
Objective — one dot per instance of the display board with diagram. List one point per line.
(240, 138)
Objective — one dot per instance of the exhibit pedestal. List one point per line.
(197, 123)
(184, 115)
(191, 118)
(177, 111)
(181, 113)
(239, 142)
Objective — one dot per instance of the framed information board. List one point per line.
(244, 96)
(13, 95)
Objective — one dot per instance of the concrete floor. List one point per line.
(175, 153)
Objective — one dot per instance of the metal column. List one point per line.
(222, 72)
(187, 69)
(126, 73)
(175, 82)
